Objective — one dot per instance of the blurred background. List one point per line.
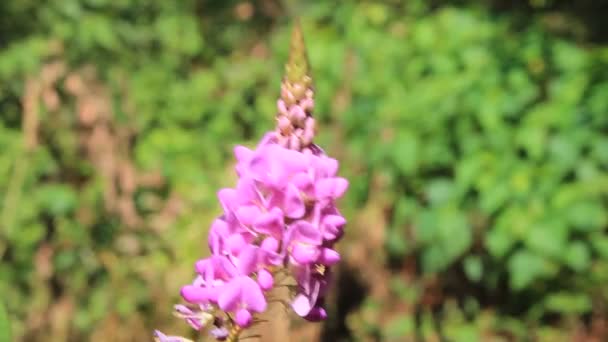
(474, 135)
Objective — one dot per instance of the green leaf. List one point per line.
(5, 325)
(396, 243)
(57, 199)
(473, 268)
(494, 197)
(433, 259)
(405, 152)
(600, 244)
(426, 226)
(532, 139)
(455, 236)
(399, 327)
(587, 215)
(600, 150)
(564, 151)
(498, 242)
(526, 267)
(440, 191)
(568, 303)
(577, 256)
(548, 238)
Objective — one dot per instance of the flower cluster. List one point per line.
(280, 221)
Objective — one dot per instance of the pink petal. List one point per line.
(303, 182)
(301, 305)
(334, 220)
(243, 318)
(269, 252)
(230, 296)
(214, 293)
(332, 226)
(194, 294)
(245, 190)
(183, 310)
(253, 297)
(260, 166)
(270, 223)
(326, 167)
(305, 232)
(235, 243)
(331, 187)
(294, 204)
(247, 214)
(329, 257)
(248, 260)
(292, 161)
(331, 167)
(242, 154)
(225, 269)
(265, 280)
(160, 337)
(304, 254)
(303, 278)
(227, 198)
(218, 231)
(315, 289)
(218, 333)
(316, 314)
(203, 267)
(193, 319)
(270, 244)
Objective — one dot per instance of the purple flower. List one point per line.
(331, 226)
(213, 272)
(271, 165)
(312, 285)
(330, 188)
(160, 337)
(280, 218)
(265, 279)
(219, 333)
(242, 296)
(269, 252)
(293, 202)
(303, 242)
(270, 223)
(316, 314)
(196, 320)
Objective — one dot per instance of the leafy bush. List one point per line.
(475, 147)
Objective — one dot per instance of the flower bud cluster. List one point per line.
(296, 127)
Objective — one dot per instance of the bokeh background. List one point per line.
(474, 135)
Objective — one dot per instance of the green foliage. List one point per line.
(481, 143)
(5, 326)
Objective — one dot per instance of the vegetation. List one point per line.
(473, 136)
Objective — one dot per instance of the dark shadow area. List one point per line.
(350, 292)
(588, 15)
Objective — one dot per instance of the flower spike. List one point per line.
(280, 219)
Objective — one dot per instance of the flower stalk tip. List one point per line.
(296, 126)
(297, 69)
